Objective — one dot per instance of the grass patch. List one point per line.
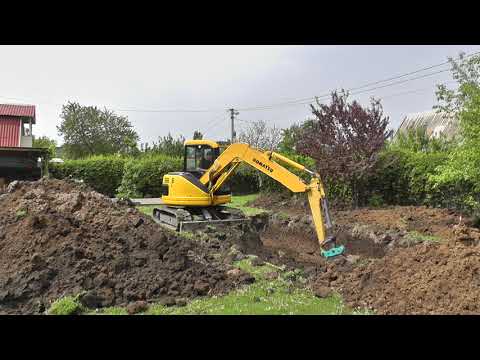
(20, 214)
(68, 305)
(240, 202)
(416, 237)
(264, 297)
(146, 209)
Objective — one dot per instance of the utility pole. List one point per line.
(233, 113)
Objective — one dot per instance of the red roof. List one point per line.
(10, 132)
(18, 110)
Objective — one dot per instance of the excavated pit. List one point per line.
(399, 260)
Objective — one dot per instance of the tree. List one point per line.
(462, 169)
(87, 131)
(259, 135)
(289, 138)
(344, 139)
(197, 135)
(46, 142)
(466, 71)
(167, 145)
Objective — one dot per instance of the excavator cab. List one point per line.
(199, 156)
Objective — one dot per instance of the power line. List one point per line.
(216, 132)
(168, 111)
(214, 124)
(349, 90)
(247, 121)
(411, 92)
(302, 101)
(384, 97)
(309, 99)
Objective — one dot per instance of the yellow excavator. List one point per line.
(197, 194)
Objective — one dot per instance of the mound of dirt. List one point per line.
(61, 238)
(424, 279)
(385, 268)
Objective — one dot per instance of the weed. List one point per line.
(20, 214)
(414, 237)
(68, 305)
(376, 201)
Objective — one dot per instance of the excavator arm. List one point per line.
(225, 165)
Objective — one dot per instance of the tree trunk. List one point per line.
(260, 182)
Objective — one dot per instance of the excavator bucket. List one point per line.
(338, 250)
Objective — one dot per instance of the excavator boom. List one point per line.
(237, 153)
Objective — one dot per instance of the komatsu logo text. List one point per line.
(263, 165)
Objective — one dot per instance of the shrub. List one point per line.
(244, 181)
(68, 305)
(102, 173)
(142, 177)
(402, 177)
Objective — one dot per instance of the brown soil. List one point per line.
(385, 269)
(424, 220)
(424, 279)
(60, 238)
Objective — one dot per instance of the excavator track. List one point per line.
(182, 219)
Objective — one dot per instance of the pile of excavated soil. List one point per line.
(61, 238)
(386, 269)
(424, 279)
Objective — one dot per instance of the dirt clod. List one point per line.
(137, 307)
(321, 291)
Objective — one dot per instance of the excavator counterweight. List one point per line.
(196, 196)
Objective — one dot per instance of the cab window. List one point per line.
(190, 158)
(199, 157)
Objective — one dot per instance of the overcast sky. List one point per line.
(212, 78)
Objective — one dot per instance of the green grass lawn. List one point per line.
(264, 297)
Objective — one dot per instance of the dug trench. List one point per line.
(398, 260)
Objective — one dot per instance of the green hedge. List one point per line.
(102, 173)
(244, 181)
(402, 177)
(142, 177)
